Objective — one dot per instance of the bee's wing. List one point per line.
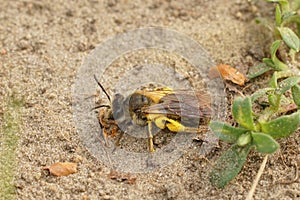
(182, 103)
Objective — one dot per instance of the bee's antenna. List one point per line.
(102, 88)
(101, 106)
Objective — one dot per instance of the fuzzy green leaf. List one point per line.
(269, 62)
(273, 81)
(278, 75)
(288, 15)
(229, 165)
(282, 126)
(259, 93)
(264, 143)
(242, 112)
(259, 70)
(226, 132)
(296, 94)
(290, 38)
(274, 47)
(288, 83)
(277, 63)
(278, 15)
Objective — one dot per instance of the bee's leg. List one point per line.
(104, 133)
(119, 138)
(150, 136)
(117, 143)
(173, 125)
(103, 128)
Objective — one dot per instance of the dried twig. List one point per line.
(258, 175)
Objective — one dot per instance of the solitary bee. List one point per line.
(175, 110)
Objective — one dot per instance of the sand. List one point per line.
(43, 45)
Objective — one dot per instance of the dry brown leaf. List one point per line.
(229, 73)
(62, 168)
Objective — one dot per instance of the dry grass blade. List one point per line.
(258, 175)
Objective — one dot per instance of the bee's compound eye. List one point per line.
(117, 106)
(145, 99)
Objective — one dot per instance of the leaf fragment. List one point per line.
(229, 73)
(62, 168)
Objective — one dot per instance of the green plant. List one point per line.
(256, 130)
(279, 115)
(9, 142)
(285, 16)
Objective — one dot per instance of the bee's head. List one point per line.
(118, 106)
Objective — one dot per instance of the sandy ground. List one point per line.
(43, 44)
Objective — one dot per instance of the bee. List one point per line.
(174, 110)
